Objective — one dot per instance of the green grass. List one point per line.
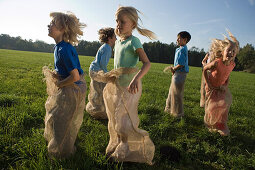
(23, 95)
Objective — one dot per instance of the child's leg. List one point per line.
(110, 97)
(61, 109)
(168, 100)
(96, 106)
(202, 92)
(177, 92)
(216, 110)
(122, 127)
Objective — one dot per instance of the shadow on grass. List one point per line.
(7, 100)
(244, 142)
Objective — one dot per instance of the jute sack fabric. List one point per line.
(64, 115)
(96, 107)
(122, 112)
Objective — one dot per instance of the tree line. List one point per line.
(157, 52)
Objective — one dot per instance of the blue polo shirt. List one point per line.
(66, 59)
(181, 58)
(103, 55)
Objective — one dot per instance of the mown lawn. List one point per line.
(23, 95)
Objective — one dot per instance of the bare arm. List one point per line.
(205, 59)
(73, 77)
(133, 86)
(209, 66)
(173, 69)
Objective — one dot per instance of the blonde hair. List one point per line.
(70, 24)
(132, 14)
(218, 46)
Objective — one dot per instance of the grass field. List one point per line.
(23, 95)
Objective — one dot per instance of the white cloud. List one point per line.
(251, 2)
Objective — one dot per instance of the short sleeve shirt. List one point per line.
(103, 55)
(181, 58)
(125, 56)
(66, 59)
(125, 52)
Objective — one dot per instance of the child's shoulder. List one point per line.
(135, 41)
(105, 47)
(65, 47)
(134, 38)
(182, 49)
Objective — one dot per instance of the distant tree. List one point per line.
(88, 48)
(196, 56)
(156, 51)
(160, 52)
(246, 57)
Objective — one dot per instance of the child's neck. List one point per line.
(182, 45)
(126, 36)
(110, 43)
(58, 39)
(226, 62)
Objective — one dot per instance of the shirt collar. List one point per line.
(58, 44)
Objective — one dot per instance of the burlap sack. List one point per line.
(122, 112)
(202, 92)
(174, 101)
(96, 107)
(64, 115)
(217, 106)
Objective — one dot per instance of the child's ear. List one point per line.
(186, 40)
(134, 25)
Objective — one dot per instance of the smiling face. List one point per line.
(124, 26)
(229, 53)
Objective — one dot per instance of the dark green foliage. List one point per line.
(246, 58)
(157, 52)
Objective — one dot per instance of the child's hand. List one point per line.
(57, 83)
(112, 79)
(55, 75)
(133, 86)
(172, 70)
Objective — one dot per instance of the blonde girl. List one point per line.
(216, 75)
(127, 141)
(66, 86)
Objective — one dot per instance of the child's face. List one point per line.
(54, 32)
(112, 39)
(229, 53)
(181, 41)
(124, 25)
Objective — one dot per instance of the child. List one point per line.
(205, 61)
(95, 106)
(218, 96)
(127, 141)
(174, 102)
(65, 105)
